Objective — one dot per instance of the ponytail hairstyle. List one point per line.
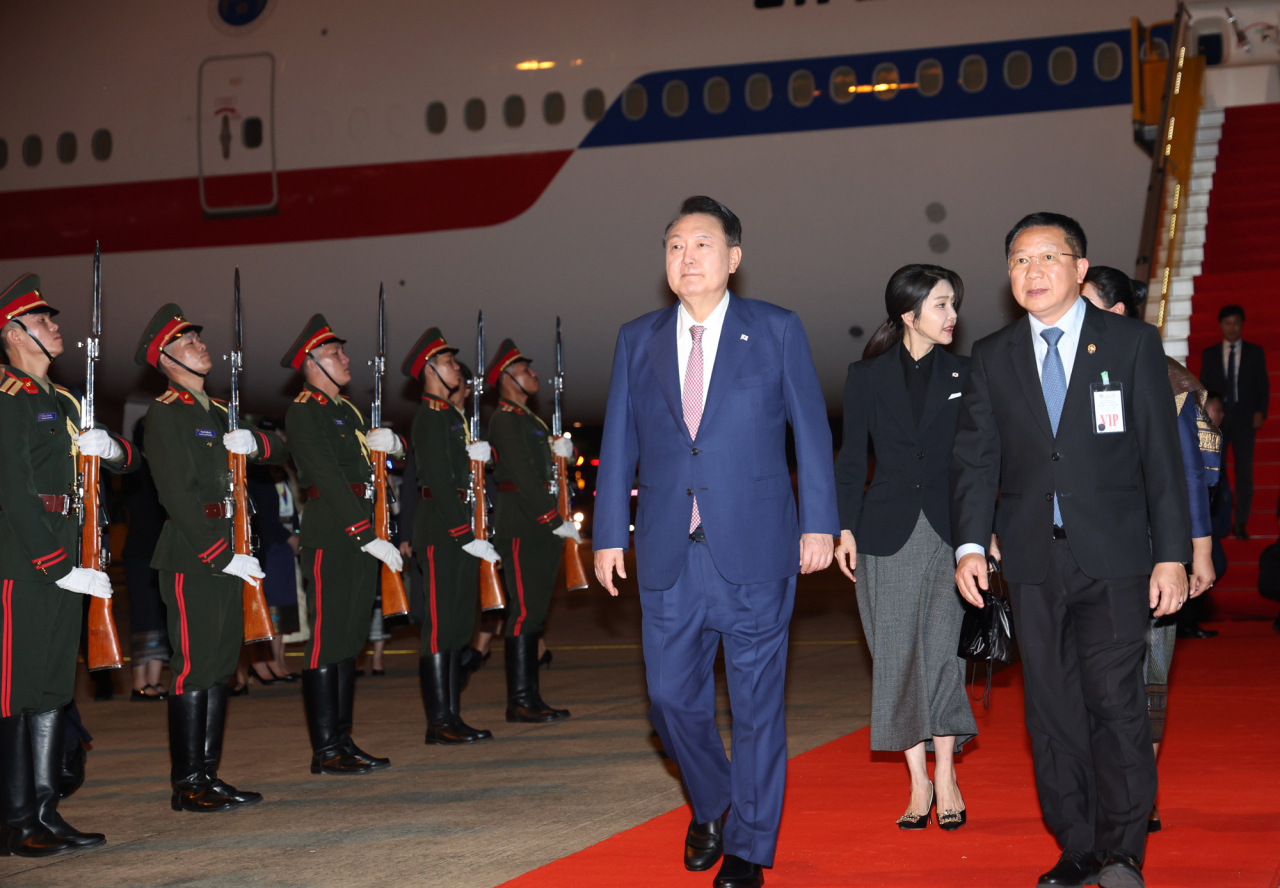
(906, 292)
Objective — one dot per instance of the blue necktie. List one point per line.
(1053, 381)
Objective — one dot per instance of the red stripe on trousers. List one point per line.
(6, 650)
(431, 569)
(315, 633)
(515, 556)
(186, 644)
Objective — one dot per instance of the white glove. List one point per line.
(246, 567)
(479, 451)
(240, 441)
(568, 531)
(96, 442)
(562, 447)
(482, 549)
(86, 581)
(384, 551)
(384, 441)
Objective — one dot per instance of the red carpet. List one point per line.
(1242, 266)
(1218, 798)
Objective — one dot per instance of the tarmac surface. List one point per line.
(468, 817)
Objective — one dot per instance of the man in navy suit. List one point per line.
(700, 399)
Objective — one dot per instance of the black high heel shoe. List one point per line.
(918, 821)
(952, 820)
(545, 659)
(239, 690)
(271, 678)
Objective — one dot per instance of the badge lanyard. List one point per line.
(1108, 406)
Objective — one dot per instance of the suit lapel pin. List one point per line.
(1091, 348)
(744, 337)
(955, 374)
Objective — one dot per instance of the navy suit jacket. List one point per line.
(763, 379)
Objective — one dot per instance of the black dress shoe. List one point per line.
(703, 845)
(1153, 822)
(1073, 869)
(1121, 869)
(738, 873)
(1196, 632)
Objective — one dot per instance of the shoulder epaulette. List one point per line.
(303, 397)
(509, 408)
(435, 403)
(168, 397)
(11, 385)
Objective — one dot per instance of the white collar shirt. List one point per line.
(1070, 324)
(710, 341)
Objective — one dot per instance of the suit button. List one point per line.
(689, 491)
(695, 451)
(919, 487)
(1055, 456)
(919, 456)
(1049, 497)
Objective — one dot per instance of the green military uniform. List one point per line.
(327, 436)
(524, 519)
(441, 527)
(205, 605)
(39, 621)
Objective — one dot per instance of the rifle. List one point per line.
(257, 617)
(104, 643)
(490, 588)
(394, 601)
(574, 575)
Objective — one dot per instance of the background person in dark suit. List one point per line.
(1238, 369)
(1094, 529)
(700, 399)
(903, 398)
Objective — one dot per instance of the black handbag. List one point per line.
(986, 635)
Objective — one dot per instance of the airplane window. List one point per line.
(553, 107)
(1062, 65)
(593, 104)
(715, 95)
(759, 92)
(251, 132)
(32, 150)
(973, 74)
(801, 89)
(4, 154)
(1108, 61)
(635, 101)
(100, 144)
(844, 84)
(1017, 69)
(473, 114)
(66, 147)
(437, 117)
(929, 77)
(513, 111)
(675, 98)
(885, 80)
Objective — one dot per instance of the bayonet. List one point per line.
(379, 364)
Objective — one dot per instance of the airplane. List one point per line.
(523, 159)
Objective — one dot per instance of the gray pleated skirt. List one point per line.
(911, 613)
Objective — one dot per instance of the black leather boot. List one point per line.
(346, 713)
(329, 755)
(457, 677)
(443, 727)
(214, 724)
(21, 832)
(48, 731)
(524, 703)
(192, 789)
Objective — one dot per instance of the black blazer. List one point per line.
(1123, 495)
(911, 464)
(1252, 383)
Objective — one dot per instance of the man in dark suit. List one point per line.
(1238, 369)
(1068, 419)
(700, 398)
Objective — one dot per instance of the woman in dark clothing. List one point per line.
(895, 541)
(148, 633)
(275, 525)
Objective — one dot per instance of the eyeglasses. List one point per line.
(1047, 261)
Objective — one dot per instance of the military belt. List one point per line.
(53, 502)
(463, 493)
(216, 510)
(358, 489)
(512, 487)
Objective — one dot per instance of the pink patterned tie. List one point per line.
(693, 402)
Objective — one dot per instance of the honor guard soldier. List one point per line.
(332, 448)
(443, 538)
(201, 576)
(528, 529)
(40, 586)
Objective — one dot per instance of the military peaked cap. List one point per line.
(315, 334)
(166, 326)
(427, 347)
(23, 297)
(507, 355)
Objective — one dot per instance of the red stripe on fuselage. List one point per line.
(375, 200)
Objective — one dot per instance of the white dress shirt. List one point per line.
(1070, 324)
(710, 341)
(1226, 353)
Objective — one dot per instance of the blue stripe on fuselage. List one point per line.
(1087, 90)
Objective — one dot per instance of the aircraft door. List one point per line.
(235, 126)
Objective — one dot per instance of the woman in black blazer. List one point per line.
(895, 542)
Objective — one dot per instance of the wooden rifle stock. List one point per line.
(257, 617)
(394, 601)
(575, 577)
(104, 642)
(491, 597)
